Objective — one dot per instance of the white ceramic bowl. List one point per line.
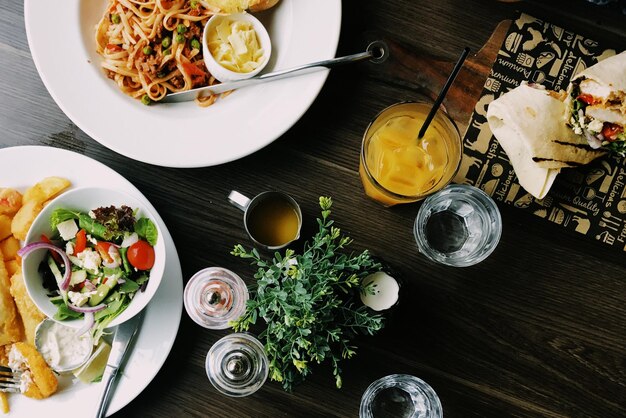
(85, 199)
(216, 69)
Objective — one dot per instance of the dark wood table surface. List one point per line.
(538, 329)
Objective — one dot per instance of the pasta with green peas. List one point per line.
(153, 47)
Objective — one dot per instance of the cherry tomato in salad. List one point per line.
(81, 241)
(611, 130)
(141, 255)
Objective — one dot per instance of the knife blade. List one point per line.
(124, 335)
(376, 52)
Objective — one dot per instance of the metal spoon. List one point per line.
(376, 52)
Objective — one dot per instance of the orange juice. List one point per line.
(396, 166)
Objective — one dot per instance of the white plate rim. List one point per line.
(131, 381)
(174, 135)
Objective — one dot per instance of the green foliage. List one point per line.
(309, 303)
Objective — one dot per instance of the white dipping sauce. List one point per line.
(59, 345)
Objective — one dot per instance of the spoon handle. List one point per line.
(376, 52)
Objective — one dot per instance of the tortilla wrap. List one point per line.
(610, 72)
(528, 123)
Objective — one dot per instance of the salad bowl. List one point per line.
(84, 201)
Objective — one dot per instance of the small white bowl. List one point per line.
(85, 199)
(68, 348)
(223, 74)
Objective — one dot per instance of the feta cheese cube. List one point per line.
(77, 298)
(67, 229)
(90, 260)
(69, 248)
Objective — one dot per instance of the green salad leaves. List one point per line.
(309, 303)
(105, 271)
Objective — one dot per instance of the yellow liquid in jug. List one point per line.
(273, 221)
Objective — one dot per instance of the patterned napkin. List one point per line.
(590, 200)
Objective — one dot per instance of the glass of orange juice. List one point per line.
(396, 166)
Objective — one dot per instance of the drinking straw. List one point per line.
(443, 92)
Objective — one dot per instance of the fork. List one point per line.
(9, 380)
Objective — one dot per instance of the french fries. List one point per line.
(19, 315)
(9, 248)
(11, 266)
(5, 227)
(30, 314)
(46, 189)
(10, 321)
(4, 403)
(10, 201)
(32, 202)
(24, 218)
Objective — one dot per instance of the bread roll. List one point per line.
(260, 5)
(236, 6)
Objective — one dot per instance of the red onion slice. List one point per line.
(89, 317)
(87, 323)
(89, 286)
(86, 309)
(65, 284)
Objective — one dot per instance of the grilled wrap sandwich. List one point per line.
(527, 121)
(596, 104)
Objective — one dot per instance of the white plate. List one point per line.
(24, 166)
(61, 39)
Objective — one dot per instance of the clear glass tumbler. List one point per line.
(400, 396)
(458, 226)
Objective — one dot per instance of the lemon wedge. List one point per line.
(94, 367)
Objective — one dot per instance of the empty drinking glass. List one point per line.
(400, 396)
(458, 226)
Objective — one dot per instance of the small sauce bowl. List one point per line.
(215, 68)
(59, 345)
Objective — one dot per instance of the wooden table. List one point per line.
(538, 329)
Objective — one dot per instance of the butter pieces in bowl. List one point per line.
(235, 46)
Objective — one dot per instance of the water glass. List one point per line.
(400, 396)
(458, 226)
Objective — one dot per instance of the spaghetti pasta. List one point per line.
(153, 47)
